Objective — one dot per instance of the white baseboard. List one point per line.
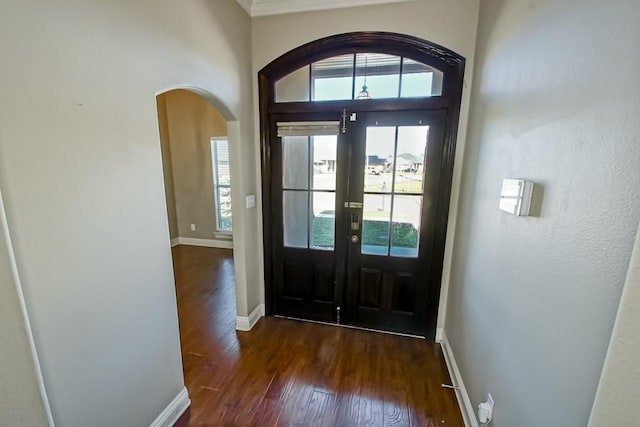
(174, 242)
(173, 411)
(223, 235)
(439, 334)
(466, 407)
(244, 323)
(209, 243)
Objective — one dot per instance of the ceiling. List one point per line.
(277, 7)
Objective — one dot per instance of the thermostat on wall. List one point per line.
(515, 197)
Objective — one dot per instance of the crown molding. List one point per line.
(278, 7)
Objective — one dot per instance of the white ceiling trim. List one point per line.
(277, 7)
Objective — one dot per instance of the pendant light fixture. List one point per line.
(364, 93)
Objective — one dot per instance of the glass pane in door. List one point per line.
(295, 162)
(295, 216)
(380, 146)
(323, 220)
(405, 226)
(410, 159)
(376, 214)
(324, 149)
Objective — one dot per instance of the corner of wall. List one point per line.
(246, 323)
(620, 372)
(27, 373)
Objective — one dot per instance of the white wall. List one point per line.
(618, 397)
(533, 300)
(450, 24)
(81, 172)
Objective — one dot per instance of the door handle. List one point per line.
(354, 238)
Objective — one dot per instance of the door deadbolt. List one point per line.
(355, 222)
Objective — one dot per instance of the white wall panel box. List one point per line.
(515, 197)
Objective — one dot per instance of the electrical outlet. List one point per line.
(485, 410)
(193, 227)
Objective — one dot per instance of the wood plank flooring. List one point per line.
(291, 373)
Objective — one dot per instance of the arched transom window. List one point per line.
(359, 76)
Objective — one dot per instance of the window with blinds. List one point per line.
(221, 183)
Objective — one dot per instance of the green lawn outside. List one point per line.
(374, 232)
(406, 182)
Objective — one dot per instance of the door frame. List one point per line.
(450, 63)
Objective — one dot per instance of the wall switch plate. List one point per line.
(250, 201)
(193, 227)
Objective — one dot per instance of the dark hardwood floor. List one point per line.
(286, 372)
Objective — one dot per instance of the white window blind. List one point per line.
(308, 128)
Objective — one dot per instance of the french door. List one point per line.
(353, 214)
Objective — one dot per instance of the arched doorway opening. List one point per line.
(196, 140)
(358, 135)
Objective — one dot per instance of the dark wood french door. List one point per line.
(353, 213)
(355, 217)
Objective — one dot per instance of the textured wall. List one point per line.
(81, 173)
(533, 300)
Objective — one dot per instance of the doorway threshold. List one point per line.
(360, 328)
